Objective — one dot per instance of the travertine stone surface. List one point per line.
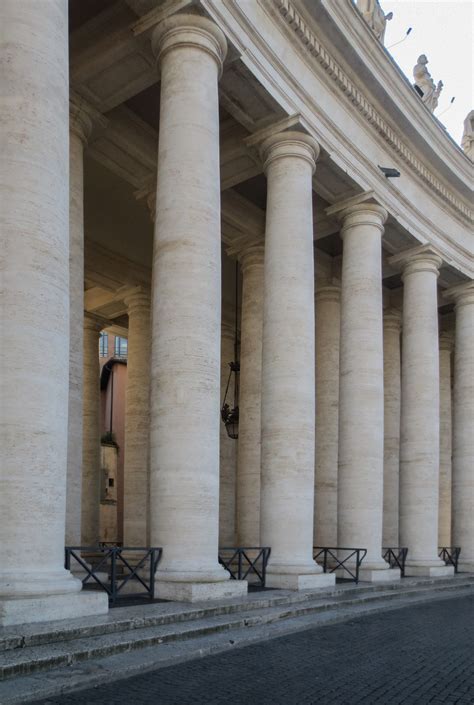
(137, 420)
(446, 340)
(361, 398)
(328, 322)
(463, 427)
(227, 446)
(35, 309)
(392, 320)
(185, 370)
(91, 432)
(249, 450)
(288, 385)
(419, 435)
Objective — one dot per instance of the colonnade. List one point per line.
(280, 430)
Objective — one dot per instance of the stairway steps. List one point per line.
(132, 635)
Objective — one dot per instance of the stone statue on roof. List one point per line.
(374, 16)
(426, 88)
(468, 135)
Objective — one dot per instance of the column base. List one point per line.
(199, 592)
(25, 610)
(293, 581)
(425, 571)
(391, 575)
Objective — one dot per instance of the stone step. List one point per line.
(113, 667)
(149, 615)
(131, 635)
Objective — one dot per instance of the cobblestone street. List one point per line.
(416, 655)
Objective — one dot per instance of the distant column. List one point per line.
(392, 321)
(249, 449)
(328, 323)
(446, 341)
(227, 448)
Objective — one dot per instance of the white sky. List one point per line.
(444, 31)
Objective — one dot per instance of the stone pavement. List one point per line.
(412, 656)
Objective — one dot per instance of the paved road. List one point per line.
(416, 655)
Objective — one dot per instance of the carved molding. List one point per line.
(294, 20)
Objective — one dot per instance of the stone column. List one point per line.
(186, 339)
(419, 435)
(463, 427)
(137, 419)
(328, 322)
(445, 438)
(361, 400)
(34, 324)
(392, 320)
(288, 384)
(249, 453)
(91, 466)
(81, 119)
(227, 446)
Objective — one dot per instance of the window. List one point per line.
(103, 345)
(120, 347)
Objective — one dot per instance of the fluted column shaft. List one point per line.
(288, 389)
(185, 371)
(137, 420)
(328, 322)
(249, 449)
(361, 398)
(392, 399)
(463, 428)
(227, 447)
(419, 437)
(34, 195)
(445, 439)
(90, 507)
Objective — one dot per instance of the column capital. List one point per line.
(289, 144)
(461, 294)
(189, 31)
(251, 256)
(392, 319)
(136, 298)
(417, 259)
(83, 118)
(94, 323)
(147, 192)
(446, 340)
(331, 292)
(362, 209)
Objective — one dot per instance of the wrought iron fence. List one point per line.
(396, 557)
(349, 565)
(246, 563)
(450, 555)
(119, 569)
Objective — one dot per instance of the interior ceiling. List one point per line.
(81, 11)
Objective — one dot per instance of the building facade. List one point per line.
(148, 145)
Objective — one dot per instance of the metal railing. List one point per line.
(246, 562)
(396, 557)
(332, 562)
(450, 555)
(109, 561)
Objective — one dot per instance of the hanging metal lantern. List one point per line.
(230, 414)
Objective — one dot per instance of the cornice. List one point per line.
(315, 48)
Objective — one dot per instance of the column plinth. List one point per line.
(185, 369)
(137, 420)
(361, 390)
(463, 427)
(392, 321)
(328, 321)
(288, 383)
(419, 434)
(34, 183)
(249, 448)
